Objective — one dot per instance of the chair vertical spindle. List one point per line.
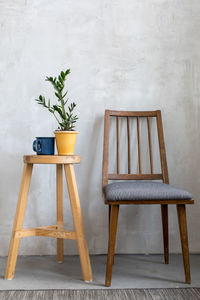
(129, 157)
(150, 148)
(138, 138)
(117, 128)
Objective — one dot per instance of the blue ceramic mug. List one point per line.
(44, 145)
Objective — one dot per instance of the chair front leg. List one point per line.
(184, 240)
(109, 213)
(111, 243)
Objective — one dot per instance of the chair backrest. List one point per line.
(146, 116)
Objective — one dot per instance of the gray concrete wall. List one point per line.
(133, 55)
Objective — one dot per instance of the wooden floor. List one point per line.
(136, 294)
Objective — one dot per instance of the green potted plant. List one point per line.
(63, 113)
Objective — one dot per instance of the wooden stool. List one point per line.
(56, 231)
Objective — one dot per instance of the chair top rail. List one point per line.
(116, 113)
(114, 176)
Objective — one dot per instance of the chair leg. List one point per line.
(59, 190)
(164, 212)
(184, 240)
(109, 213)
(111, 243)
(18, 222)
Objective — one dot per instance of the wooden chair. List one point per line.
(141, 192)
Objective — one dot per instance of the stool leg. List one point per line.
(78, 222)
(59, 188)
(18, 222)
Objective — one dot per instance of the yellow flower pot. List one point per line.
(65, 142)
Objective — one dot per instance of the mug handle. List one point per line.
(35, 146)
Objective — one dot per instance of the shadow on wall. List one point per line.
(91, 168)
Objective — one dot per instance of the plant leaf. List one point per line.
(59, 110)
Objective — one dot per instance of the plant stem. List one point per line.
(56, 118)
(63, 106)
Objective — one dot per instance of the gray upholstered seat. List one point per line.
(138, 190)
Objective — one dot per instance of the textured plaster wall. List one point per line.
(134, 55)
